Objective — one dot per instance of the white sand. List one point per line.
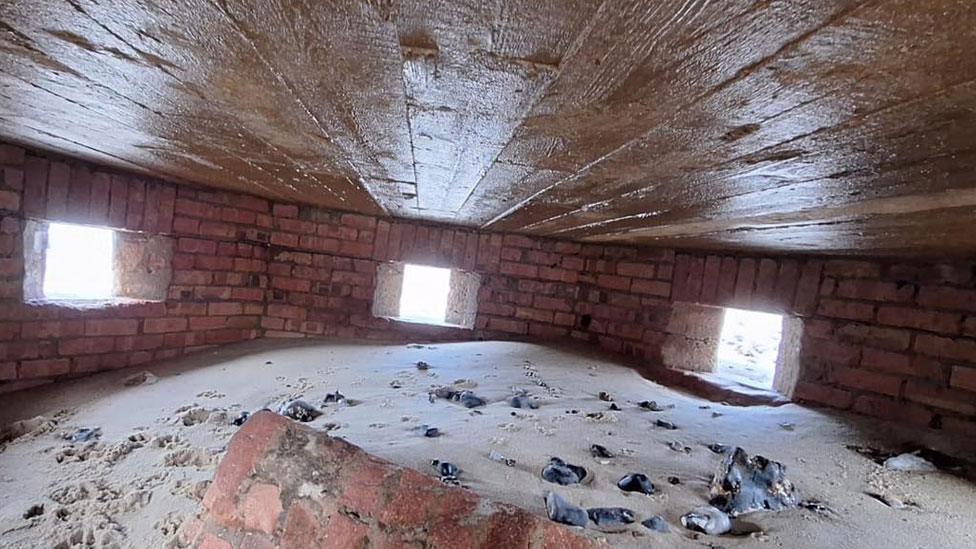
(136, 493)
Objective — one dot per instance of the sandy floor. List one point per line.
(161, 442)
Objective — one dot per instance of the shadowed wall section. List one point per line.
(889, 339)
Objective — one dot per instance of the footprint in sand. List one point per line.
(188, 457)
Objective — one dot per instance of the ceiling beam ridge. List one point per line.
(236, 27)
(571, 52)
(895, 205)
(739, 74)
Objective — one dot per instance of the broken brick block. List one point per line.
(283, 484)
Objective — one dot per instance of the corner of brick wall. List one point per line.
(882, 338)
(260, 498)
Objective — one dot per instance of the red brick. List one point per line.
(262, 507)
(196, 246)
(519, 241)
(744, 281)
(100, 189)
(136, 203)
(867, 380)
(944, 347)
(31, 369)
(963, 377)
(765, 292)
(832, 352)
(681, 280)
(8, 371)
(303, 528)
(843, 268)
(873, 290)
(108, 327)
(508, 325)
(356, 249)
(166, 206)
(358, 221)
(13, 178)
(920, 319)
(519, 269)
(552, 304)
(652, 287)
(57, 191)
(823, 394)
(887, 361)
(79, 194)
(636, 270)
(249, 202)
(850, 310)
(12, 155)
(959, 426)
(884, 338)
(217, 229)
(725, 292)
(892, 410)
(35, 187)
(286, 311)
(787, 280)
(52, 329)
(9, 200)
(613, 282)
(710, 279)
(224, 309)
(118, 201)
(138, 342)
(942, 297)
(808, 287)
(164, 325)
(213, 263)
(86, 346)
(937, 396)
(193, 208)
(528, 313)
(150, 215)
(285, 210)
(210, 541)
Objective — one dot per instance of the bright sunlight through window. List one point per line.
(749, 346)
(78, 262)
(424, 294)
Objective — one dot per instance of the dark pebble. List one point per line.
(35, 510)
(563, 512)
(657, 523)
(560, 472)
(599, 451)
(610, 516)
(636, 482)
(665, 424)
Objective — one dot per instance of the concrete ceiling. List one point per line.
(835, 126)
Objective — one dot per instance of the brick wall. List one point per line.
(887, 339)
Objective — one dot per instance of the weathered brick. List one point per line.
(867, 380)
(105, 327)
(943, 297)
(944, 347)
(850, 310)
(920, 319)
(892, 410)
(884, 338)
(844, 268)
(874, 290)
(964, 377)
(937, 396)
(164, 325)
(823, 394)
(86, 346)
